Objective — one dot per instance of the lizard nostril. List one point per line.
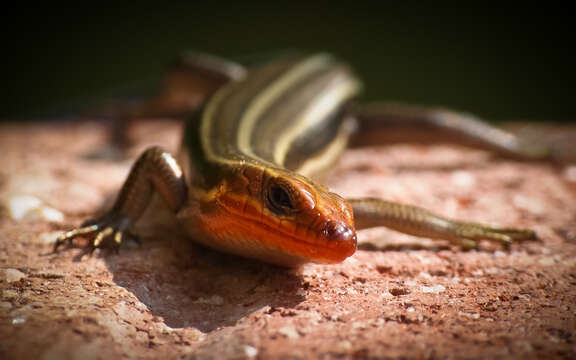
(337, 231)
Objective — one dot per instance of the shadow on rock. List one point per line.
(191, 286)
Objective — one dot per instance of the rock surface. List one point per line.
(397, 297)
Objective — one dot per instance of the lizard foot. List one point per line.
(469, 234)
(108, 228)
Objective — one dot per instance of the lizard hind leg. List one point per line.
(392, 123)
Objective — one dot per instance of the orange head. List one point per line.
(278, 217)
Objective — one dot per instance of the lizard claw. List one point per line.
(100, 231)
(471, 233)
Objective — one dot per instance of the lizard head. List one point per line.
(280, 217)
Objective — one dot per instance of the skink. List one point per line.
(242, 181)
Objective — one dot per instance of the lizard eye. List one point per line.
(278, 200)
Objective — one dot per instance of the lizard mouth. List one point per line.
(331, 244)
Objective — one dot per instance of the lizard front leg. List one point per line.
(413, 220)
(388, 123)
(155, 171)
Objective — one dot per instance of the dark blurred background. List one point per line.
(502, 66)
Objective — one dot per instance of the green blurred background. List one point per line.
(502, 66)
